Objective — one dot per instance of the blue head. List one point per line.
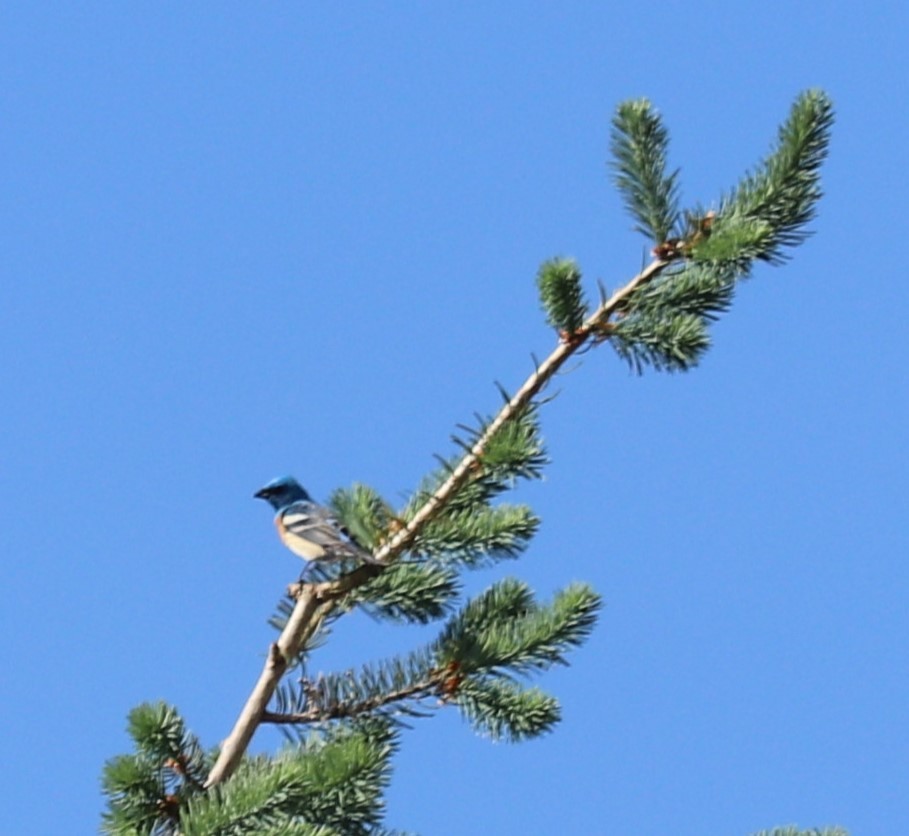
(279, 493)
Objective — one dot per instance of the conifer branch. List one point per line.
(597, 326)
(332, 781)
(559, 283)
(770, 208)
(307, 615)
(318, 713)
(654, 319)
(412, 592)
(640, 143)
(503, 709)
(316, 601)
(501, 634)
(149, 789)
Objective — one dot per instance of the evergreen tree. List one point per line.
(344, 728)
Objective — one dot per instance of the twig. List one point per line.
(318, 713)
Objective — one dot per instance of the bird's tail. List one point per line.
(351, 551)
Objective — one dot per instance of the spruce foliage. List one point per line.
(640, 145)
(664, 323)
(344, 727)
(561, 295)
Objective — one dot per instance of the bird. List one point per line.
(308, 529)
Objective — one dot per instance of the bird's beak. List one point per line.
(262, 493)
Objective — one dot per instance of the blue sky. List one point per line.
(242, 240)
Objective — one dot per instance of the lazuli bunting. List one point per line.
(305, 527)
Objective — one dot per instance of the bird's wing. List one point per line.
(312, 522)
